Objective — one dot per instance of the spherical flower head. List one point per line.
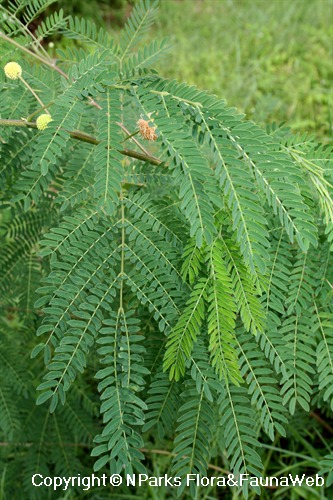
(43, 121)
(13, 70)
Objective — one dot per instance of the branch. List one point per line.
(51, 63)
(82, 136)
(133, 138)
(321, 421)
(33, 54)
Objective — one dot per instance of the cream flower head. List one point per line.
(43, 121)
(13, 70)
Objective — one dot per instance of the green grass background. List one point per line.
(273, 60)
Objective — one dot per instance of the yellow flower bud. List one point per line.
(13, 70)
(43, 121)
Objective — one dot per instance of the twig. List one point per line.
(133, 138)
(82, 136)
(33, 54)
(51, 63)
(33, 93)
(321, 421)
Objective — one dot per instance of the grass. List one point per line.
(271, 60)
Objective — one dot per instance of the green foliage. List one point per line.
(120, 381)
(180, 287)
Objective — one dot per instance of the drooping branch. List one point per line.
(51, 63)
(82, 136)
(42, 59)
